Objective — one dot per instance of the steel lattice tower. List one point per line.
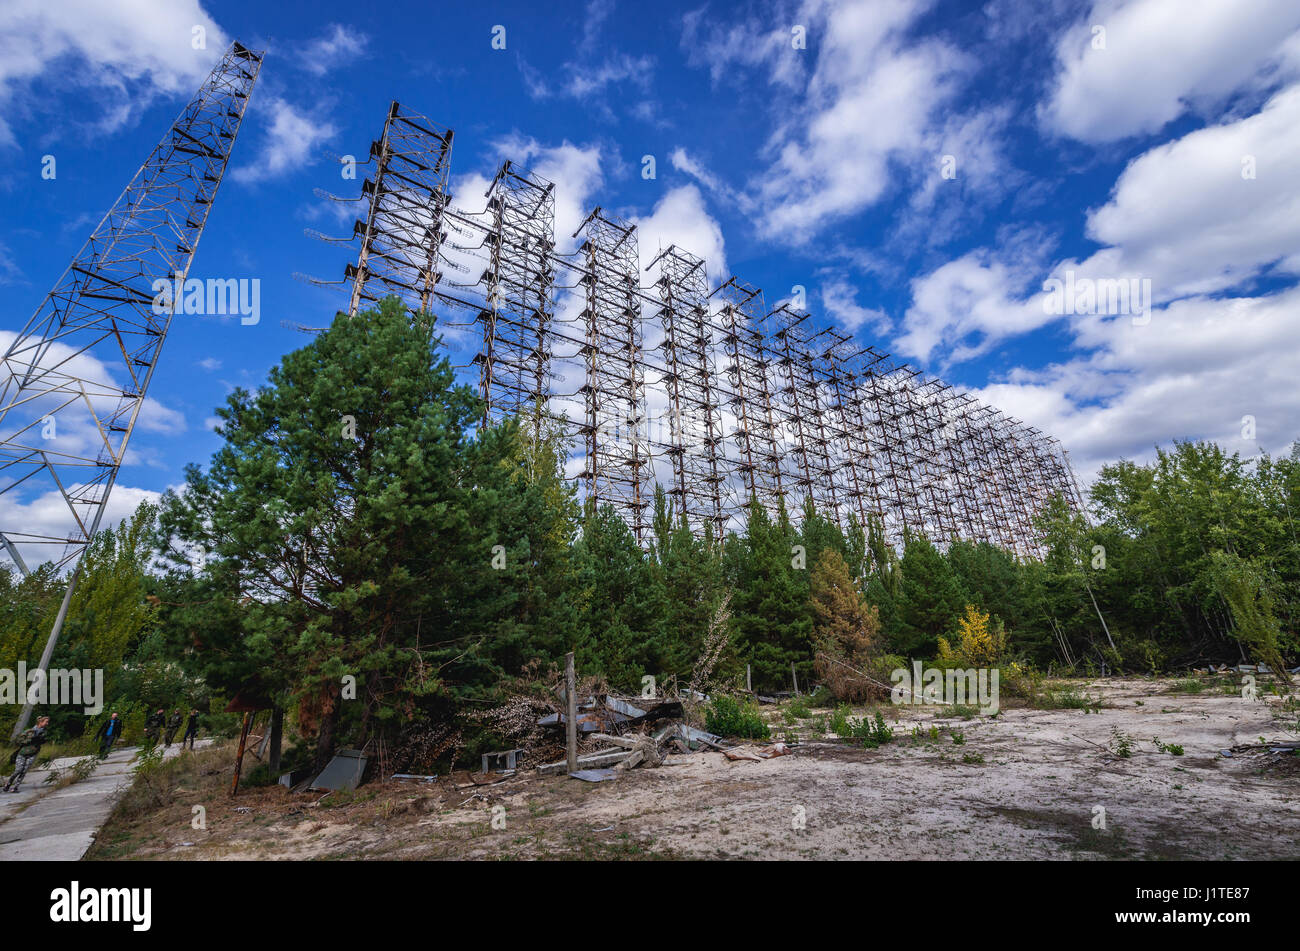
(618, 461)
(514, 361)
(758, 457)
(694, 438)
(402, 234)
(80, 368)
(756, 405)
(801, 398)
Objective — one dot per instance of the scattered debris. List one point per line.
(505, 761)
(757, 754)
(606, 712)
(593, 760)
(645, 750)
(618, 725)
(294, 777)
(410, 778)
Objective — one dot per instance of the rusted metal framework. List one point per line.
(683, 383)
(514, 359)
(692, 433)
(846, 368)
(74, 379)
(756, 437)
(402, 234)
(614, 430)
(802, 394)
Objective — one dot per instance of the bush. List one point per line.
(980, 643)
(727, 716)
(871, 732)
(840, 721)
(798, 708)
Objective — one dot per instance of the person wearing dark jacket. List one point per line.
(153, 726)
(191, 730)
(29, 744)
(173, 724)
(108, 733)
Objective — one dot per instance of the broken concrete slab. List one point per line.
(591, 760)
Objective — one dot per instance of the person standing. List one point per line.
(191, 730)
(173, 724)
(29, 744)
(108, 733)
(152, 727)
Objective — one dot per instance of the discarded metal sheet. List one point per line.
(344, 772)
(413, 778)
(601, 713)
(594, 775)
(589, 721)
(690, 735)
(629, 710)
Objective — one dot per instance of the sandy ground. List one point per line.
(1027, 784)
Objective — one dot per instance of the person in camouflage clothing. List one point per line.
(29, 745)
(173, 724)
(153, 726)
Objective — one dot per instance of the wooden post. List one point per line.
(571, 705)
(795, 678)
(239, 757)
(748, 685)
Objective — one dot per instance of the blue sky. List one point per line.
(922, 168)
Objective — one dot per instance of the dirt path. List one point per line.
(1028, 784)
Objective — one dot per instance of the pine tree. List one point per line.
(688, 573)
(621, 603)
(929, 599)
(770, 606)
(338, 512)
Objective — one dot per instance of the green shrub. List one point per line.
(1173, 749)
(840, 721)
(1068, 699)
(1121, 743)
(871, 732)
(727, 716)
(797, 709)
